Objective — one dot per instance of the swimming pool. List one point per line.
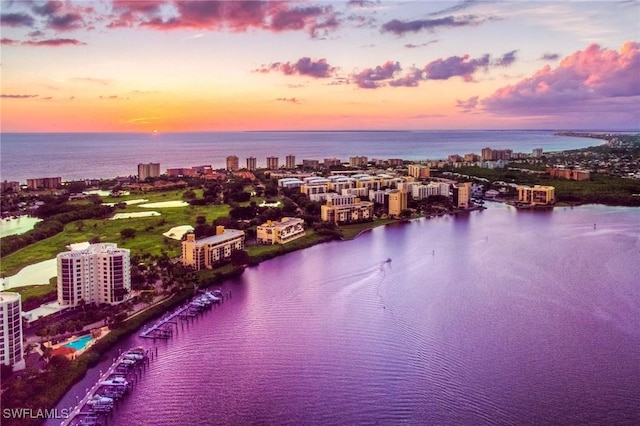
(80, 343)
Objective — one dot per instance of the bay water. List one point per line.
(492, 317)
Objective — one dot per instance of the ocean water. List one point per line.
(106, 155)
(494, 317)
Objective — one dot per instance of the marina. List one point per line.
(113, 385)
(163, 329)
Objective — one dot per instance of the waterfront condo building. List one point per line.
(288, 229)
(207, 252)
(346, 209)
(397, 201)
(539, 195)
(233, 163)
(94, 273)
(332, 162)
(11, 349)
(462, 195)
(251, 164)
(44, 183)
(149, 170)
(290, 162)
(568, 173)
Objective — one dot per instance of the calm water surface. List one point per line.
(106, 155)
(495, 317)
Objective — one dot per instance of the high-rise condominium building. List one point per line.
(11, 350)
(232, 163)
(97, 273)
(272, 163)
(397, 201)
(251, 164)
(149, 170)
(290, 162)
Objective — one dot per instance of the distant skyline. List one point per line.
(180, 66)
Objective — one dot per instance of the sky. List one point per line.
(145, 66)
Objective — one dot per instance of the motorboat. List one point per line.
(100, 404)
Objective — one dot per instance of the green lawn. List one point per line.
(148, 239)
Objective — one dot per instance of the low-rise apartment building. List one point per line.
(207, 252)
(346, 209)
(288, 229)
(539, 195)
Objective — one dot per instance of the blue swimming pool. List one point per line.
(80, 343)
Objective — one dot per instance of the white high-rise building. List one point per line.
(11, 350)
(99, 273)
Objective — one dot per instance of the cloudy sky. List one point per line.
(261, 65)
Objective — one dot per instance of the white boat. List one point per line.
(100, 404)
(115, 381)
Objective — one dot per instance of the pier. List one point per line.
(163, 329)
(110, 387)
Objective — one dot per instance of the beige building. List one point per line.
(356, 211)
(358, 161)
(397, 201)
(95, 273)
(288, 229)
(11, 349)
(233, 163)
(272, 163)
(462, 195)
(149, 170)
(539, 195)
(290, 162)
(206, 252)
(419, 171)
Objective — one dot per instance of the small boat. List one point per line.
(100, 404)
(115, 381)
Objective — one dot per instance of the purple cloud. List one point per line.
(414, 46)
(66, 22)
(369, 77)
(55, 42)
(468, 105)
(47, 9)
(318, 68)
(506, 59)
(401, 27)
(550, 57)
(16, 20)
(455, 66)
(291, 100)
(18, 96)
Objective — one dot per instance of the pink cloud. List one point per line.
(318, 68)
(238, 16)
(593, 78)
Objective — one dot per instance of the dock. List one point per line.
(91, 409)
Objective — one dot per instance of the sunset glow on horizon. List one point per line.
(165, 66)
